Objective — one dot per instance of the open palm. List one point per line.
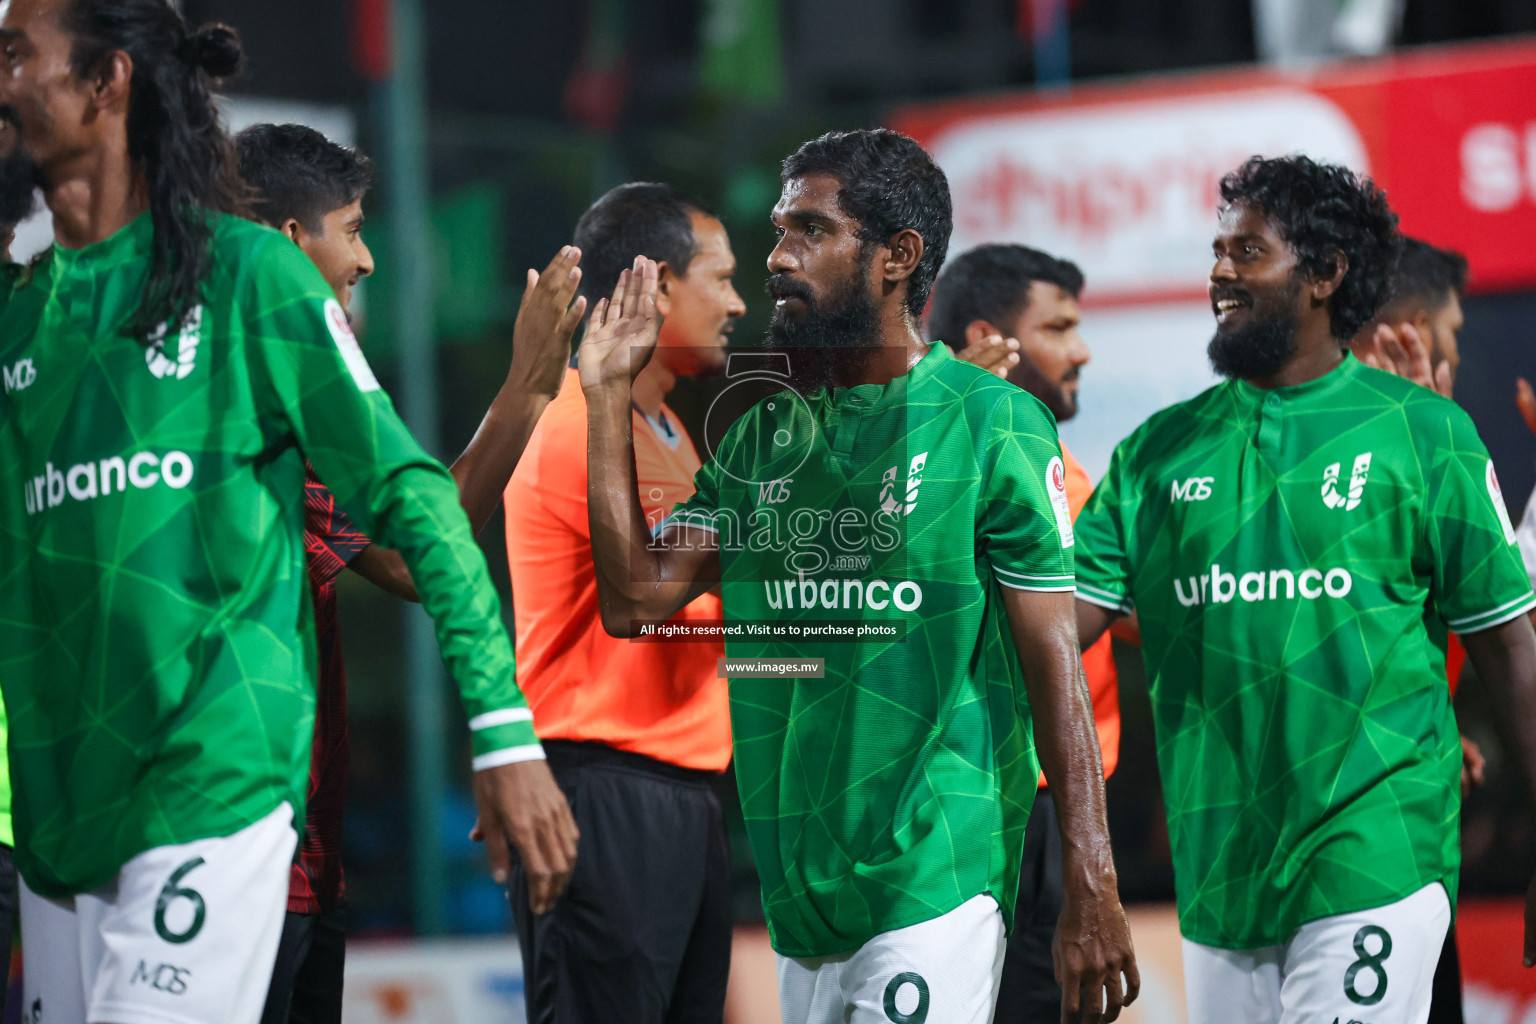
(622, 333)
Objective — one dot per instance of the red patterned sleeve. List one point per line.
(330, 539)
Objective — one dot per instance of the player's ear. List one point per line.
(293, 229)
(1325, 284)
(666, 284)
(977, 330)
(903, 253)
(110, 78)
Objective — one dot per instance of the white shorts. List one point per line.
(943, 971)
(183, 935)
(1374, 966)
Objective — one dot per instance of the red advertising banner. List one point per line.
(1121, 176)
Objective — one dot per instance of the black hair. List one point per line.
(991, 283)
(888, 184)
(298, 173)
(1321, 209)
(642, 218)
(174, 135)
(1427, 277)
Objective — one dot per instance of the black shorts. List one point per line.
(307, 977)
(1029, 991)
(643, 933)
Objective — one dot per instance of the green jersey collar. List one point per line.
(1346, 371)
(878, 397)
(125, 243)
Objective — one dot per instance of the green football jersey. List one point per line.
(897, 786)
(159, 659)
(1294, 557)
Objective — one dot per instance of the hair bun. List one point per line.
(216, 49)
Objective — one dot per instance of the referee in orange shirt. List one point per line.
(1013, 310)
(635, 732)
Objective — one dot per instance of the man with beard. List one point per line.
(636, 733)
(1296, 543)
(159, 659)
(1013, 309)
(885, 676)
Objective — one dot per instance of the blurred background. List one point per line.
(1095, 129)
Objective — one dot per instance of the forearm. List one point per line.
(1092, 621)
(486, 465)
(1505, 659)
(626, 570)
(414, 510)
(1065, 738)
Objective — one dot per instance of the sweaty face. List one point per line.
(1256, 293)
(337, 249)
(47, 118)
(824, 310)
(700, 306)
(1052, 349)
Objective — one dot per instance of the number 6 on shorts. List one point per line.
(173, 891)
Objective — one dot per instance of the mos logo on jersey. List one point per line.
(20, 375)
(1195, 488)
(190, 336)
(1331, 496)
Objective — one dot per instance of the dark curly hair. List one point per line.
(174, 136)
(1321, 210)
(888, 184)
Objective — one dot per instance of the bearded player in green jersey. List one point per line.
(882, 485)
(159, 661)
(1296, 543)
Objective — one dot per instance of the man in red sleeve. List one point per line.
(312, 189)
(1013, 310)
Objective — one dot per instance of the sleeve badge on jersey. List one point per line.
(351, 352)
(1056, 487)
(1497, 496)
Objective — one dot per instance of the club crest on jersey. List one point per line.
(1056, 488)
(890, 503)
(1357, 475)
(160, 362)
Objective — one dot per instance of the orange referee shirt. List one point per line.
(1098, 661)
(662, 700)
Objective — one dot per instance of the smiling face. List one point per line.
(700, 306)
(337, 249)
(1256, 291)
(46, 110)
(44, 106)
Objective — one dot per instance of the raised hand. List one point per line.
(622, 333)
(994, 352)
(1401, 350)
(546, 320)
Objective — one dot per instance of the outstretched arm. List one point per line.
(1093, 938)
(638, 581)
(541, 343)
(1505, 659)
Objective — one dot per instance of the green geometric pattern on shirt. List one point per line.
(1294, 558)
(159, 664)
(897, 787)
